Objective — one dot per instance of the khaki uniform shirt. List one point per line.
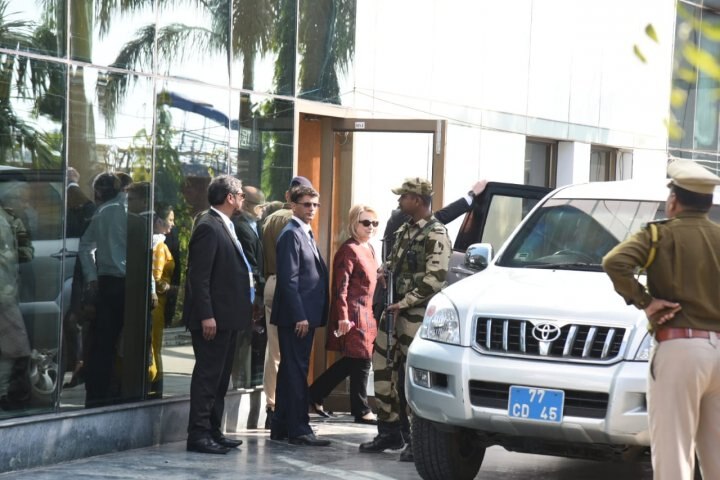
(272, 226)
(686, 269)
(415, 285)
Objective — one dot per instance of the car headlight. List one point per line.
(441, 322)
(643, 352)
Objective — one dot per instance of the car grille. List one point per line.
(583, 343)
(577, 402)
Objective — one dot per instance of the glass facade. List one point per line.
(112, 122)
(694, 105)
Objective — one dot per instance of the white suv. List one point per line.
(537, 353)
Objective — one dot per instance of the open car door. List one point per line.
(494, 215)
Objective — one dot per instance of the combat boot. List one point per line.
(388, 438)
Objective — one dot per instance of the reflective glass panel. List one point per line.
(192, 124)
(326, 49)
(263, 45)
(35, 273)
(261, 146)
(118, 34)
(34, 26)
(193, 39)
(109, 158)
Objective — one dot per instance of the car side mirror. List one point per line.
(478, 256)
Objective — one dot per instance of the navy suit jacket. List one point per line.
(301, 292)
(217, 281)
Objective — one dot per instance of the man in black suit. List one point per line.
(250, 351)
(219, 293)
(248, 231)
(300, 305)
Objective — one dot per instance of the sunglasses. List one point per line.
(308, 204)
(367, 223)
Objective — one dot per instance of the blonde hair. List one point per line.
(354, 218)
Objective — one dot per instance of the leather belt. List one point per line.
(672, 333)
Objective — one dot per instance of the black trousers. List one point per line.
(209, 384)
(291, 393)
(105, 332)
(358, 369)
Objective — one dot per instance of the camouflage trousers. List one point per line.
(390, 376)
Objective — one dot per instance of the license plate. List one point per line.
(540, 404)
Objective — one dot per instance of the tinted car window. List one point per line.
(576, 231)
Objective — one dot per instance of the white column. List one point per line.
(573, 163)
(649, 165)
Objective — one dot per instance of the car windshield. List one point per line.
(576, 234)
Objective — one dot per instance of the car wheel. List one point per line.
(445, 455)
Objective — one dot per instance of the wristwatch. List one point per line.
(471, 193)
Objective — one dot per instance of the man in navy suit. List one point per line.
(300, 305)
(218, 303)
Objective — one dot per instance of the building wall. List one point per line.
(560, 70)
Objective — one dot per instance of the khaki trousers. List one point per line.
(684, 408)
(272, 351)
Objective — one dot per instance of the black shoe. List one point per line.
(280, 437)
(268, 419)
(206, 445)
(222, 440)
(317, 408)
(407, 454)
(384, 441)
(366, 421)
(309, 440)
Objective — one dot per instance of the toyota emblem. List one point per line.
(546, 332)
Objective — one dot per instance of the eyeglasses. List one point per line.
(308, 204)
(367, 223)
(239, 194)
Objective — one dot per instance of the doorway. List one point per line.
(355, 161)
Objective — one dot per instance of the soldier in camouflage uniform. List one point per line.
(419, 262)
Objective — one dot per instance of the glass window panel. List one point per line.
(35, 26)
(602, 165)
(109, 150)
(261, 149)
(193, 39)
(705, 127)
(192, 124)
(35, 275)
(326, 49)
(684, 76)
(263, 45)
(118, 34)
(539, 163)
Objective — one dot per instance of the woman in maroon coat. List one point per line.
(352, 327)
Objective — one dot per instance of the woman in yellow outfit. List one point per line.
(163, 266)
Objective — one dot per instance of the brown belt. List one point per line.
(671, 333)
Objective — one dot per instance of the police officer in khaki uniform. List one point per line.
(682, 303)
(419, 261)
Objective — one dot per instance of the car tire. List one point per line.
(445, 455)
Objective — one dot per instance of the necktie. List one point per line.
(312, 243)
(247, 264)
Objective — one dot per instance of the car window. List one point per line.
(578, 231)
(504, 214)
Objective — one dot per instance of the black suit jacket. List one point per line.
(218, 281)
(252, 245)
(302, 280)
